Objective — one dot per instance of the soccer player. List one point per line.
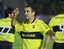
(32, 30)
(6, 30)
(57, 24)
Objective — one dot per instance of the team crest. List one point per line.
(33, 26)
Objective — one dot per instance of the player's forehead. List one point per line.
(28, 9)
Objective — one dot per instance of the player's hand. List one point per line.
(16, 12)
(53, 38)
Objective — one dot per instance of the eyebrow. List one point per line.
(26, 11)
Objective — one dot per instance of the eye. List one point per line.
(26, 11)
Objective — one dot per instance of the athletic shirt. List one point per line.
(6, 31)
(32, 33)
(57, 23)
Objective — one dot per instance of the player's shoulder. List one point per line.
(40, 21)
(2, 19)
(58, 16)
(23, 22)
(54, 17)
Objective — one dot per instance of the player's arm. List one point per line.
(50, 35)
(15, 12)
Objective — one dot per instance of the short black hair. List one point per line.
(61, 7)
(32, 7)
(8, 10)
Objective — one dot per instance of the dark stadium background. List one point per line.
(45, 9)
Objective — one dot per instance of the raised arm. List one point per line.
(15, 13)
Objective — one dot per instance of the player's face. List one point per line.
(28, 12)
(11, 15)
(14, 13)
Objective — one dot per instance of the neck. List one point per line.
(30, 20)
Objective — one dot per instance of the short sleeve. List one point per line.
(51, 23)
(45, 28)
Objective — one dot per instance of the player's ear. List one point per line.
(33, 13)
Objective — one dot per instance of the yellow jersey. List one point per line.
(6, 31)
(32, 33)
(57, 24)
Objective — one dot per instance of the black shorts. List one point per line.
(5, 45)
(58, 45)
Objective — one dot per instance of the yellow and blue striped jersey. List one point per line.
(32, 33)
(6, 31)
(57, 23)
